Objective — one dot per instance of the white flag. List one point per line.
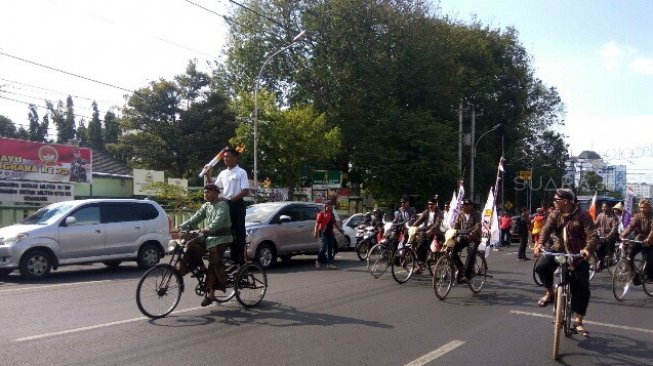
(488, 222)
(454, 208)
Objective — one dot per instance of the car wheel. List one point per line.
(112, 264)
(35, 264)
(266, 255)
(148, 256)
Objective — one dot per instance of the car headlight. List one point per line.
(14, 239)
(249, 232)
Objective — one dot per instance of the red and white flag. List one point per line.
(592, 209)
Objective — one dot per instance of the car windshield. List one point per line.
(259, 213)
(48, 214)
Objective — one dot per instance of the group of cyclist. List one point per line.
(565, 229)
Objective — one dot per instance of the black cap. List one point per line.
(433, 201)
(212, 187)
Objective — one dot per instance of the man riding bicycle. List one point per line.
(641, 225)
(468, 225)
(607, 225)
(573, 232)
(217, 236)
(429, 221)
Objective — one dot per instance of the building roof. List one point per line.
(588, 154)
(105, 163)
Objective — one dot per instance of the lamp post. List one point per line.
(298, 38)
(471, 172)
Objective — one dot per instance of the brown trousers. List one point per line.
(216, 277)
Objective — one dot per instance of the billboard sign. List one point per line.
(143, 178)
(33, 161)
(12, 191)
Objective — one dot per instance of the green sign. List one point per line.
(331, 178)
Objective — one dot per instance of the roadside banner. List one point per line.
(628, 206)
(33, 161)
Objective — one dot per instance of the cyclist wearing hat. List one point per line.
(641, 226)
(468, 225)
(217, 235)
(430, 221)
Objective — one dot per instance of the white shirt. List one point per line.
(232, 181)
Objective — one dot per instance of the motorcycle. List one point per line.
(365, 239)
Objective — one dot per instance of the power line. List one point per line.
(65, 72)
(41, 106)
(35, 97)
(50, 91)
(207, 9)
(261, 15)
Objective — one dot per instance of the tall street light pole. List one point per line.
(471, 173)
(298, 38)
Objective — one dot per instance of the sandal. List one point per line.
(580, 329)
(207, 301)
(545, 300)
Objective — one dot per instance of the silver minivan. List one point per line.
(282, 230)
(85, 231)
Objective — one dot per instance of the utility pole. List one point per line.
(460, 139)
(473, 153)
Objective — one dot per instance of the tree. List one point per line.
(7, 127)
(59, 120)
(289, 140)
(95, 139)
(111, 127)
(33, 117)
(82, 133)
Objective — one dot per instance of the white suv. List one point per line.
(85, 231)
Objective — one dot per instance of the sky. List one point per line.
(597, 53)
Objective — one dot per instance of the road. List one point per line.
(87, 315)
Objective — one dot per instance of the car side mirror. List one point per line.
(70, 220)
(284, 218)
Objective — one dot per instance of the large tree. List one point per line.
(7, 127)
(95, 139)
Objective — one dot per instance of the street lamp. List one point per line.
(298, 38)
(471, 173)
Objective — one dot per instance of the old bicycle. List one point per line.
(562, 316)
(159, 289)
(445, 270)
(625, 275)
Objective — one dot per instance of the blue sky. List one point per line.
(598, 53)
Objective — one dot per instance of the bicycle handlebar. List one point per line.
(633, 241)
(556, 254)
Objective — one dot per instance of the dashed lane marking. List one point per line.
(436, 353)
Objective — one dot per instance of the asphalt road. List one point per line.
(87, 315)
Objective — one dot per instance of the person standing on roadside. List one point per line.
(325, 222)
(523, 228)
(235, 186)
(504, 226)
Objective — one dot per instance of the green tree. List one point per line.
(290, 139)
(111, 127)
(59, 120)
(33, 117)
(95, 139)
(7, 127)
(82, 133)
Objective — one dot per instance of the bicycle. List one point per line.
(159, 289)
(404, 259)
(445, 271)
(624, 275)
(562, 307)
(592, 260)
(380, 255)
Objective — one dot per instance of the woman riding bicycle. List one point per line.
(641, 226)
(217, 235)
(573, 232)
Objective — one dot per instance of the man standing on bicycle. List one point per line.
(641, 225)
(217, 237)
(607, 225)
(468, 225)
(573, 232)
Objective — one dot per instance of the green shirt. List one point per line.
(217, 216)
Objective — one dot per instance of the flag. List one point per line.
(628, 207)
(444, 226)
(486, 224)
(501, 160)
(592, 209)
(454, 208)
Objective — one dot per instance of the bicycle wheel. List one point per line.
(362, 249)
(251, 284)
(648, 288)
(611, 260)
(479, 276)
(443, 277)
(536, 277)
(378, 260)
(621, 279)
(158, 291)
(593, 262)
(566, 311)
(404, 263)
(557, 321)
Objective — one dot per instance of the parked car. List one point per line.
(282, 230)
(349, 227)
(85, 231)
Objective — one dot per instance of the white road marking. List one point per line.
(53, 286)
(436, 353)
(585, 321)
(90, 327)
